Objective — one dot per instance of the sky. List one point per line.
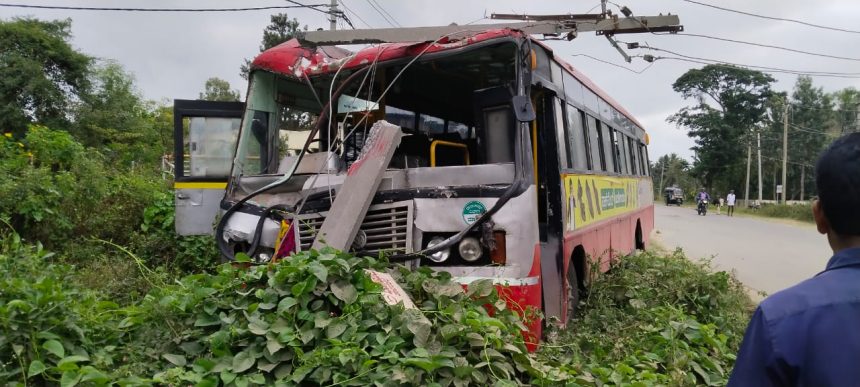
(172, 54)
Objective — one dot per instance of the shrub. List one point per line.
(57, 191)
(52, 333)
(801, 212)
(160, 245)
(658, 320)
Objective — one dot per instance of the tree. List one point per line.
(810, 119)
(40, 73)
(114, 118)
(218, 89)
(672, 170)
(281, 29)
(731, 102)
(848, 104)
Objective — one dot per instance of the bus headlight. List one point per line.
(470, 249)
(439, 256)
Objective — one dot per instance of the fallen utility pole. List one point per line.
(342, 222)
(567, 27)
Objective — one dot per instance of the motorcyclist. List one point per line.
(702, 195)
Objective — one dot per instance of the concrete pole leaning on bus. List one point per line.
(730, 202)
(807, 335)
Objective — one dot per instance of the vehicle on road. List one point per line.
(673, 195)
(702, 207)
(513, 167)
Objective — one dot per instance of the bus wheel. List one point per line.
(640, 241)
(572, 292)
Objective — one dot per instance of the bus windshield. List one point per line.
(453, 111)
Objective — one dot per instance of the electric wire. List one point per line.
(385, 11)
(617, 65)
(706, 61)
(70, 8)
(774, 17)
(380, 14)
(311, 6)
(357, 16)
(818, 54)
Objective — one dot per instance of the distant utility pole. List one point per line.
(784, 150)
(332, 12)
(662, 172)
(749, 161)
(758, 146)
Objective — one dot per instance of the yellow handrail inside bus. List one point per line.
(447, 143)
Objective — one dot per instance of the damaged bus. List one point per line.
(512, 165)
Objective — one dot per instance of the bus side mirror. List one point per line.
(523, 109)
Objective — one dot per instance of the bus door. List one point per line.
(550, 203)
(204, 136)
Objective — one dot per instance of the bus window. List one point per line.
(626, 154)
(576, 140)
(210, 146)
(605, 133)
(590, 100)
(462, 130)
(643, 162)
(618, 150)
(499, 135)
(561, 134)
(595, 142)
(400, 117)
(430, 125)
(258, 145)
(634, 157)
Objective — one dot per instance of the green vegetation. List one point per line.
(801, 212)
(655, 320)
(318, 318)
(314, 318)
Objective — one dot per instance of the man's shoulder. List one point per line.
(830, 288)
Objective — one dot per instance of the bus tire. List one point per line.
(640, 241)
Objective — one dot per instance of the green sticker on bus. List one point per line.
(472, 211)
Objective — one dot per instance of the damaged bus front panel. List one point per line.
(464, 149)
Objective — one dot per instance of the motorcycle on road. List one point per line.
(702, 207)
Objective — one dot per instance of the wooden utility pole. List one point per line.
(784, 150)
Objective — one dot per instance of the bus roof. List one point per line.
(294, 60)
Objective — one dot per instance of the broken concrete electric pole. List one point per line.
(356, 193)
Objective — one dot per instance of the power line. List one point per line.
(774, 18)
(67, 8)
(700, 60)
(310, 6)
(616, 65)
(765, 45)
(808, 130)
(354, 14)
(386, 12)
(380, 13)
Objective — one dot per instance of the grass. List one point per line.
(655, 319)
(799, 212)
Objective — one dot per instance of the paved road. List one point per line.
(766, 255)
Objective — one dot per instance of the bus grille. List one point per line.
(387, 227)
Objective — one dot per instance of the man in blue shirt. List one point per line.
(809, 334)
